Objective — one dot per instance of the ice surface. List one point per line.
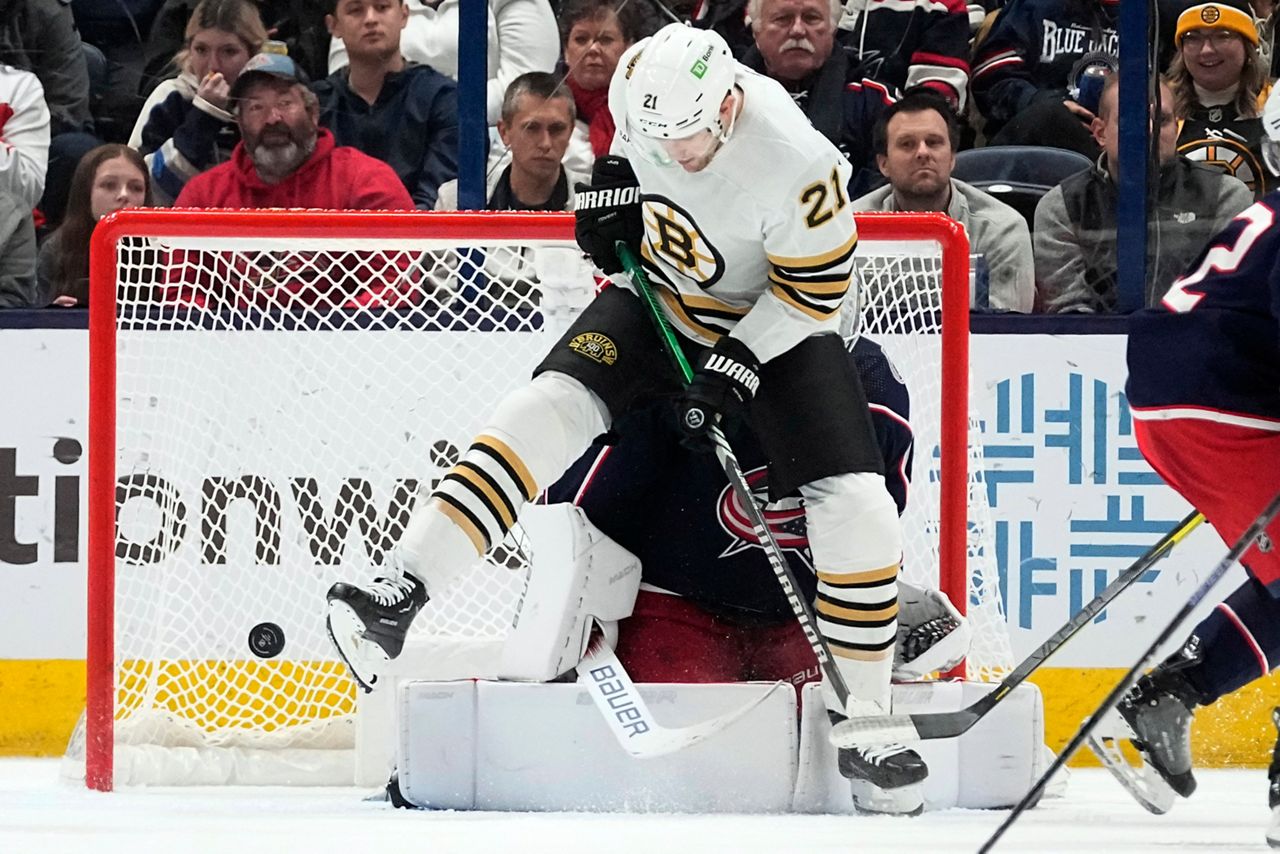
(40, 815)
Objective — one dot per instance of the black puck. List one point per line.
(266, 640)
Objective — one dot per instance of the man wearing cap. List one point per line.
(402, 113)
(284, 159)
(1219, 85)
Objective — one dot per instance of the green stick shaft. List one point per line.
(632, 266)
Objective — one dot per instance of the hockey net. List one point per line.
(270, 390)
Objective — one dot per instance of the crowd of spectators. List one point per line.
(353, 104)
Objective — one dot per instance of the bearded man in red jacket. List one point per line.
(285, 159)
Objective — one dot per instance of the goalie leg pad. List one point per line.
(577, 576)
(856, 540)
(536, 432)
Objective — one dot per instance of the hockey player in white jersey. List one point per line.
(738, 210)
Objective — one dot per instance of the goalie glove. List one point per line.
(725, 381)
(932, 635)
(608, 210)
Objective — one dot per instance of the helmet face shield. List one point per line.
(690, 151)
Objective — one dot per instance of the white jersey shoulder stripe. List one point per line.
(1203, 413)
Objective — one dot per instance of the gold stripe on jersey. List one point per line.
(793, 299)
(831, 258)
(705, 315)
(672, 302)
(815, 286)
(510, 461)
(860, 579)
(464, 520)
(819, 286)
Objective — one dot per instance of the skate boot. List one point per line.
(1159, 709)
(1273, 789)
(885, 780)
(368, 625)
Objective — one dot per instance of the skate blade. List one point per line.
(363, 658)
(1138, 778)
(869, 799)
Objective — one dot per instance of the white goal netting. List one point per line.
(281, 386)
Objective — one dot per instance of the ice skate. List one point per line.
(1273, 788)
(885, 780)
(1155, 716)
(368, 625)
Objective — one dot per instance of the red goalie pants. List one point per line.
(669, 639)
(1228, 472)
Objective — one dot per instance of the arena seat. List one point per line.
(1018, 175)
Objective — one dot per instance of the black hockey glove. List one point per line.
(608, 210)
(726, 379)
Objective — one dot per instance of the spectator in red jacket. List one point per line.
(285, 160)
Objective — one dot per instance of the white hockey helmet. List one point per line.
(676, 83)
(1271, 131)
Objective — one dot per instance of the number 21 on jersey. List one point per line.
(814, 197)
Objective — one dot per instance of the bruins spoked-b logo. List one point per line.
(676, 240)
(1226, 152)
(595, 346)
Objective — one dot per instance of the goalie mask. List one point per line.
(674, 88)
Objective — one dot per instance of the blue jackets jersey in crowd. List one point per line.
(1031, 50)
(1214, 342)
(672, 507)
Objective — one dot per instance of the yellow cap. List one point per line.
(1216, 16)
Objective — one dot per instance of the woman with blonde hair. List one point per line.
(1219, 84)
(187, 125)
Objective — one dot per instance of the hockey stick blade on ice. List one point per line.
(628, 716)
(724, 453)
(878, 729)
(1242, 545)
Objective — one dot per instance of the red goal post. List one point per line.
(135, 252)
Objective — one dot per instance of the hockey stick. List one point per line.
(729, 462)
(624, 709)
(878, 729)
(1237, 551)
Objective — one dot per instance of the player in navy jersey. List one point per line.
(1204, 388)
(710, 608)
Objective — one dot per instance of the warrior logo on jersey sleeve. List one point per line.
(785, 519)
(677, 241)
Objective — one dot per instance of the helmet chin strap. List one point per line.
(725, 133)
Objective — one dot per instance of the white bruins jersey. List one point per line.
(761, 241)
